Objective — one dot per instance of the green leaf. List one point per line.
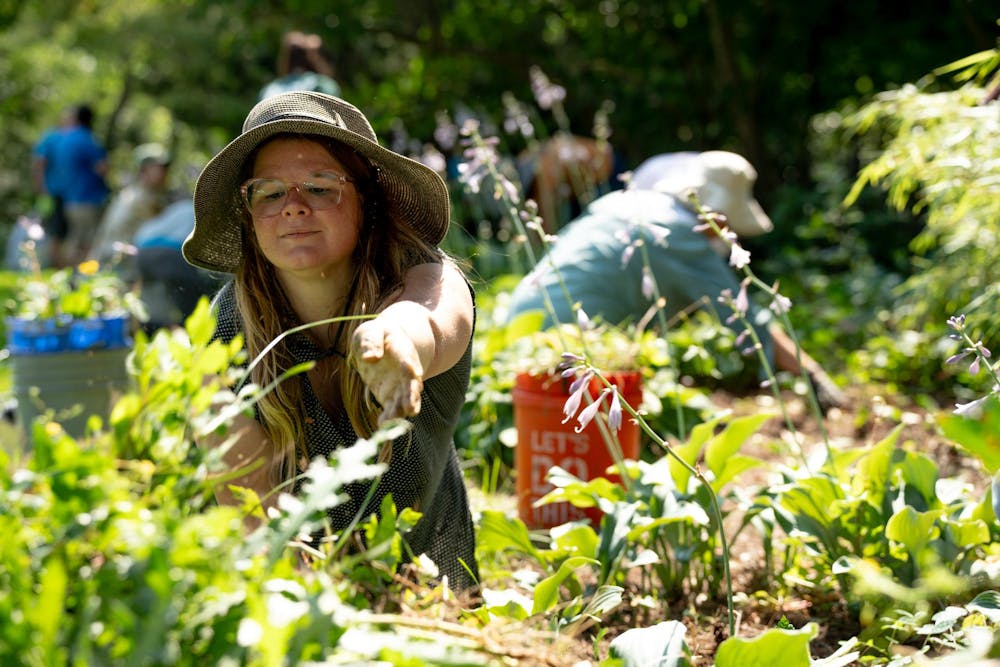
(579, 493)
(873, 476)
(788, 648)
(547, 590)
(920, 472)
(604, 600)
(722, 448)
(913, 529)
(663, 645)
(499, 532)
(574, 539)
(980, 436)
(47, 611)
(806, 506)
(987, 603)
(689, 451)
(200, 325)
(966, 533)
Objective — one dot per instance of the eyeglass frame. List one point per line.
(341, 178)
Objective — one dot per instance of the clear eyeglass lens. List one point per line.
(266, 196)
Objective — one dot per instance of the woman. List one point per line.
(316, 220)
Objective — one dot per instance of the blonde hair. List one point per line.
(386, 249)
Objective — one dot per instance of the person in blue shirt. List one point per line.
(591, 255)
(71, 164)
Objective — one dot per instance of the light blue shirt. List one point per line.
(588, 257)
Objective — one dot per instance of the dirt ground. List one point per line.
(865, 421)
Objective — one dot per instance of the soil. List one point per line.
(865, 420)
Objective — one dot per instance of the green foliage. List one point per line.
(116, 553)
(934, 155)
(880, 505)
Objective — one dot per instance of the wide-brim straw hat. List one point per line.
(723, 182)
(414, 194)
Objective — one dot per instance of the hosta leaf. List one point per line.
(911, 528)
(980, 436)
(987, 603)
(966, 533)
(663, 645)
(721, 449)
(788, 648)
(498, 533)
(547, 590)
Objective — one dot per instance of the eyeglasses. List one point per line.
(265, 197)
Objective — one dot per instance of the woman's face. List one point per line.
(303, 235)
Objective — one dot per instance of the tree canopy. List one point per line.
(679, 75)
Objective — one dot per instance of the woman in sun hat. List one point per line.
(316, 220)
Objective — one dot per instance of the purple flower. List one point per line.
(957, 323)
(580, 381)
(627, 254)
(659, 234)
(955, 358)
(615, 411)
(738, 257)
(577, 389)
(445, 132)
(781, 304)
(973, 409)
(648, 283)
(32, 227)
(546, 93)
(588, 413)
(742, 302)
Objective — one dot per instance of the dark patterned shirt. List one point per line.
(423, 472)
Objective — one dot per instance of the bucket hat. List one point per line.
(151, 153)
(722, 180)
(414, 194)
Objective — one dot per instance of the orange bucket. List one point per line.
(543, 441)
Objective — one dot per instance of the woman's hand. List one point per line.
(422, 333)
(387, 360)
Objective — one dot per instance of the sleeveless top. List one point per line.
(423, 472)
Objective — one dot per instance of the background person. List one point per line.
(71, 164)
(141, 199)
(170, 287)
(685, 263)
(315, 220)
(303, 64)
(564, 173)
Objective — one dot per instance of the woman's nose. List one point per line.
(295, 203)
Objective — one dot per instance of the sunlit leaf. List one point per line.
(662, 644)
(979, 436)
(912, 529)
(547, 591)
(987, 603)
(788, 648)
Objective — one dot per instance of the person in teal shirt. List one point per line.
(594, 257)
(302, 65)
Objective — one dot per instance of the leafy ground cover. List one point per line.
(768, 598)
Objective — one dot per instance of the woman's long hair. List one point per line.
(386, 249)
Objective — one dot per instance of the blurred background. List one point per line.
(779, 82)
